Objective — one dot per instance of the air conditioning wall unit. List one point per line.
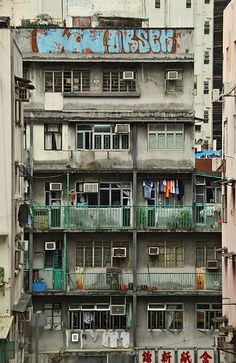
(50, 246)
(119, 252)
(172, 75)
(24, 245)
(118, 310)
(215, 94)
(153, 251)
(128, 75)
(90, 187)
(212, 265)
(73, 338)
(55, 187)
(122, 128)
(200, 181)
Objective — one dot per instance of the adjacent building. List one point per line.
(228, 240)
(13, 303)
(123, 261)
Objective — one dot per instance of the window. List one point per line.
(75, 81)
(174, 82)
(52, 137)
(205, 252)
(99, 254)
(188, 3)
(53, 258)
(206, 116)
(97, 317)
(198, 128)
(53, 81)
(206, 87)
(157, 3)
(207, 27)
(207, 1)
(165, 137)
(100, 137)
(113, 82)
(170, 255)
(53, 316)
(206, 57)
(205, 314)
(165, 316)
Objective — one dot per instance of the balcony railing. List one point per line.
(83, 217)
(170, 217)
(179, 281)
(48, 279)
(99, 281)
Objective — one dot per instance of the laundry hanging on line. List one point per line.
(167, 187)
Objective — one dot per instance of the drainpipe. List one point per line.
(65, 261)
(67, 198)
(30, 252)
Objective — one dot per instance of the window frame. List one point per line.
(188, 4)
(164, 311)
(52, 309)
(205, 252)
(52, 133)
(175, 86)
(71, 77)
(206, 87)
(157, 4)
(207, 27)
(167, 250)
(207, 315)
(166, 132)
(90, 134)
(114, 78)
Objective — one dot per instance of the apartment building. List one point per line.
(228, 189)
(13, 303)
(205, 16)
(123, 262)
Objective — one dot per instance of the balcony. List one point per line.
(82, 217)
(99, 281)
(48, 279)
(203, 217)
(179, 281)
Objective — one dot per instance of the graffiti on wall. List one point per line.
(105, 41)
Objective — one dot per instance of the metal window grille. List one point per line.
(205, 315)
(113, 82)
(207, 27)
(206, 57)
(206, 87)
(170, 318)
(175, 85)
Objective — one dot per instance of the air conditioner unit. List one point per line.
(153, 251)
(24, 245)
(215, 94)
(50, 246)
(172, 76)
(90, 187)
(200, 181)
(74, 337)
(128, 75)
(55, 187)
(122, 128)
(119, 252)
(212, 265)
(118, 310)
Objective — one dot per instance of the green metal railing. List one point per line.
(179, 281)
(83, 217)
(48, 279)
(170, 217)
(99, 281)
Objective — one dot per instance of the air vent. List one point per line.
(50, 246)
(128, 75)
(118, 310)
(153, 251)
(90, 187)
(55, 187)
(119, 252)
(212, 265)
(172, 76)
(122, 128)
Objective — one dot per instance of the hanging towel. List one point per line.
(147, 189)
(125, 339)
(168, 187)
(177, 187)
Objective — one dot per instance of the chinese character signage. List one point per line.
(205, 356)
(185, 356)
(166, 356)
(147, 356)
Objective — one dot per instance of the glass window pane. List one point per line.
(80, 140)
(161, 141)
(125, 141)
(106, 142)
(102, 128)
(179, 141)
(170, 141)
(98, 257)
(116, 140)
(98, 142)
(152, 141)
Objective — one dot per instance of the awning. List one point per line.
(22, 304)
(5, 326)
